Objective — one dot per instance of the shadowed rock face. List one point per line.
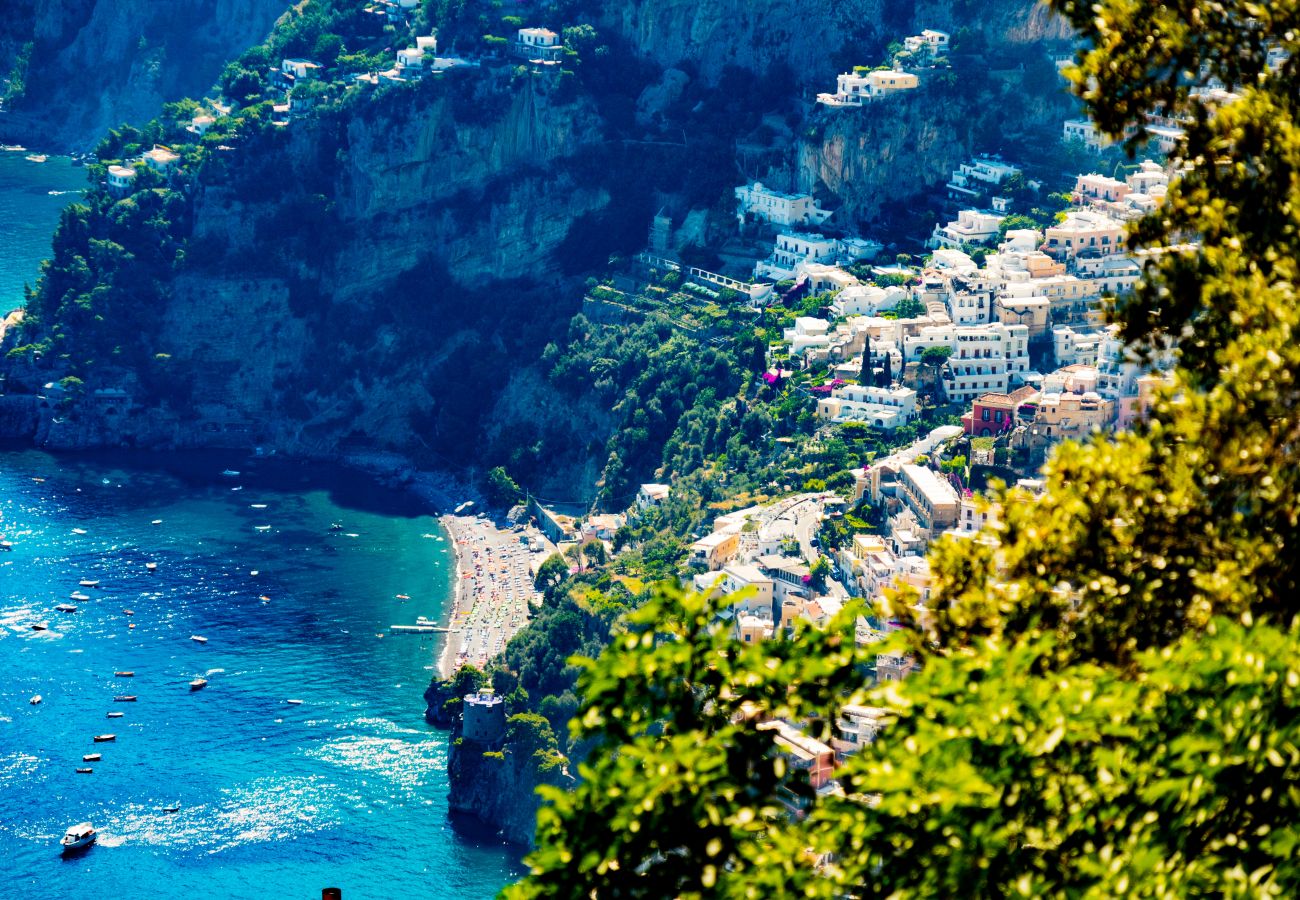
(810, 36)
(95, 64)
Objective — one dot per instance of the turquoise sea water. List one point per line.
(276, 800)
(31, 197)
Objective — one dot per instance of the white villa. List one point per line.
(120, 179)
(299, 68)
(860, 88)
(160, 159)
(537, 43)
(882, 407)
(970, 179)
(971, 226)
(930, 41)
(777, 207)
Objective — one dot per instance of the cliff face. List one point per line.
(812, 37)
(499, 788)
(95, 64)
(871, 157)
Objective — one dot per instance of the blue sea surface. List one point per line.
(277, 800)
(32, 195)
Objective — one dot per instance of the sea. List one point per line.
(31, 197)
(292, 574)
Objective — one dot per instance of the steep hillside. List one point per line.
(85, 66)
(813, 39)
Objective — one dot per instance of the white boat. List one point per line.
(13, 148)
(198, 639)
(294, 702)
(78, 531)
(261, 527)
(116, 715)
(37, 157)
(36, 700)
(92, 757)
(105, 738)
(78, 836)
(156, 522)
(88, 582)
(6, 545)
(230, 473)
(66, 607)
(257, 506)
(151, 567)
(79, 596)
(174, 808)
(198, 684)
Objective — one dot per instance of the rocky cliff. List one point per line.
(499, 787)
(94, 64)
(814, 38)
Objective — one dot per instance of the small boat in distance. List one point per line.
(124, 698)
(294, 702)
(6, 545)
(36, 700)
(156, 522)
(66, 607)
(79, 596)
(13, 148)
(39, 626)
(86, 771)
(151, 567)
(116, 715)
(198, 684)
(174, 808)
(88, 582)
(78, 837)
(198, 639)
(78, 531)
(230, 473)
(92, 757)
(128, 612)
(36, 157)
(403, 596)
(105, 738)
(125, 673)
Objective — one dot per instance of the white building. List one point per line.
(652, 495)
(778, 207)
(935, 43)
(200, 124)
(972, 226)
(410, 60)
(979, 176)
(1076, 347)
(868, 300)
(984, 357)
(881, 407)
(856, 727)
(160, 159)
(1086, 133)
(120, 179)
(860, 88)
(807, 332)
(537, 43)
(791, 249)
(299, 68)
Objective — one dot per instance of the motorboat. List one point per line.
(125, 673)
(79, 531)
(92, 757)
(79, 596)
(36, 157)
(198, 639)
(128, 612)
(78, 837)
(116, 715)
(294, 702)
(156, 522)
(124, 698)
(198, 684)
(66, 608)
(88, 582)
(85, 771)
(151, 567)
(230, 473)
(36, 700)
(105, 738)
(264, 598)
(403, 596)
(6, 545)
(261, 527)
(39, 626)
(174, 808)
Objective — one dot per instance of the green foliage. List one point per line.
(551, 572)
(935, 356)
(502, 491)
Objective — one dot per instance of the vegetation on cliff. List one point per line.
(1109, 696)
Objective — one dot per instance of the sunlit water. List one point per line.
(31, 197)
(276, 800)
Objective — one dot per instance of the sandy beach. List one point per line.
(493, 594)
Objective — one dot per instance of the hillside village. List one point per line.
(960, 363)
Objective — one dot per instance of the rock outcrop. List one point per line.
(499, 788)
(94, 64)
